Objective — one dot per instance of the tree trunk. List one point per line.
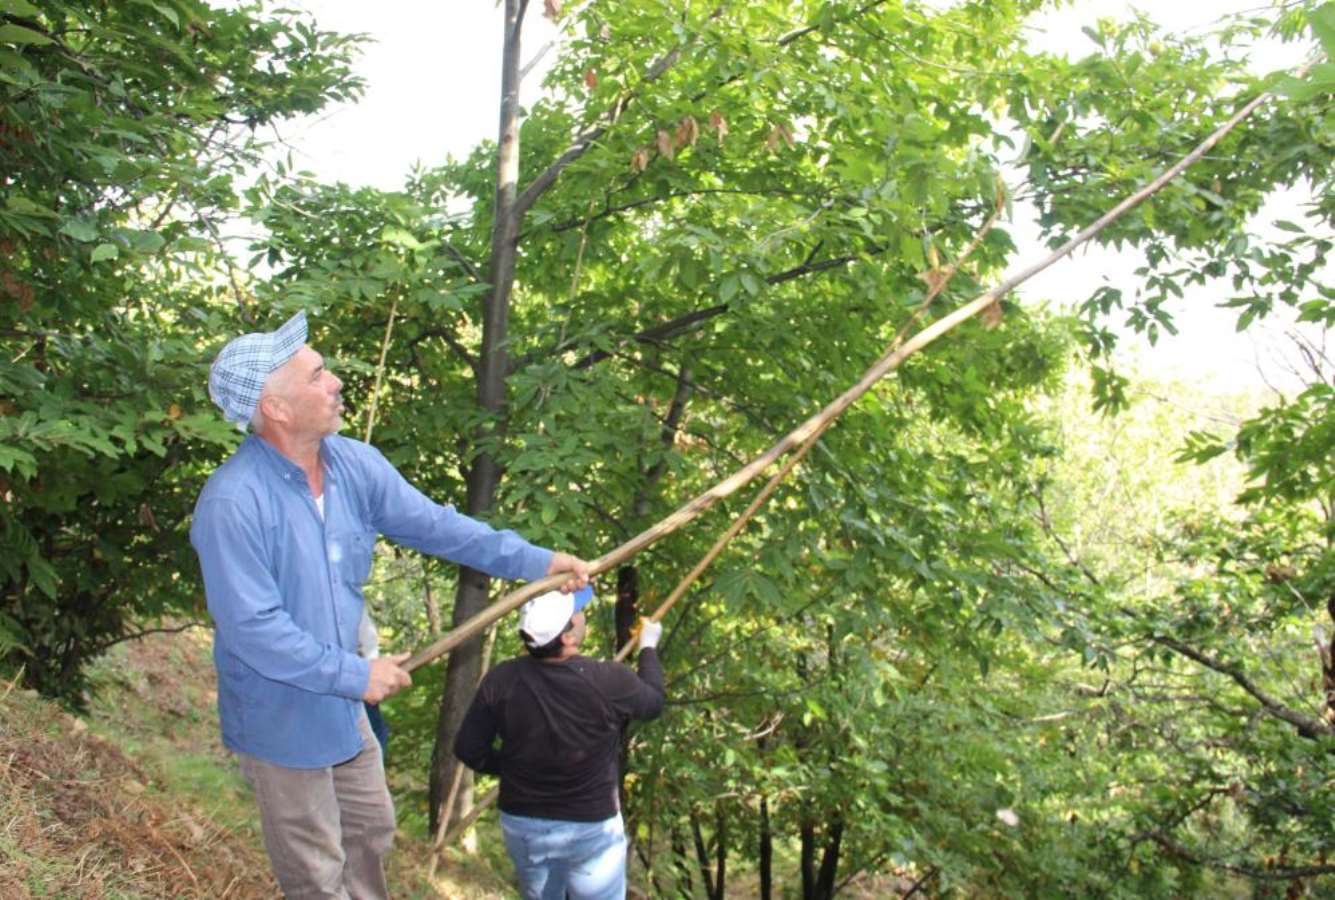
(464, 668)
(1326, 654)
(628, 602)
(829, 863)
(702, 856)
(713, 872)
(429, 601)
(720, 850)
(766, 853)
(808, 860)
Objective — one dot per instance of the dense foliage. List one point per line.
(123, 127)
(947, 655)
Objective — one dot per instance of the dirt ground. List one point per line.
(82, 818)
(138, 798)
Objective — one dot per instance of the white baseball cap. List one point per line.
(546, 615)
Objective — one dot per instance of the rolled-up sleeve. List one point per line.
(247, 608)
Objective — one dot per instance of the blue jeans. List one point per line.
(556, 859)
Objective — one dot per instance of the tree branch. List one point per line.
(609, 210)
(134, 636)
(1308, 726)
(589, 136)
(1291, 873)
(690, 321)
(450, 341)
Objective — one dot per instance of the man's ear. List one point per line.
(273, 408)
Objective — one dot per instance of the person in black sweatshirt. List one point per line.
(559, 717)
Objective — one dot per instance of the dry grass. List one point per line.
(81, 819)
(139, 800)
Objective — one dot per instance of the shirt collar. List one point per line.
(284, 466)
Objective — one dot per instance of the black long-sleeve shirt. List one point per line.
(560, 728)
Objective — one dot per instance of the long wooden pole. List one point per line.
(939, 281)
(832, 410)
(809, 431)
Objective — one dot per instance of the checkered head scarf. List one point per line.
(238, 374)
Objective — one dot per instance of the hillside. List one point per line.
(137, 799)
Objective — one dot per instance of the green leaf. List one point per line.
(146, 241)
(80, 230)
(1296, 89)
(1322, 20)
(43, 576)
(11, 63)
(17, 34)
(393, 234)
(12, 458)
(104, 251)
(728, 289)
(166, 11)
(23, 205)
(1322, 77)
(19, 8)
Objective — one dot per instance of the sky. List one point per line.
(433, 84)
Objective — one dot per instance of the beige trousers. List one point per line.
(327, 830)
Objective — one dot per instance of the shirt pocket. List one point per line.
(354, 551)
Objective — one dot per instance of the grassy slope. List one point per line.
(138, 799)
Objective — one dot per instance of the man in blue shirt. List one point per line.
(285, 529)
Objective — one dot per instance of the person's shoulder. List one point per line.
(239, 476)
(604, 668)
(513, 662)
(504, 673)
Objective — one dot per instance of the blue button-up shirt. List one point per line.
(284, 587)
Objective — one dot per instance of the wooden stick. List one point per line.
(380, 368)
(481, 805)
(938, 284)
(447, 809)
(812, 425)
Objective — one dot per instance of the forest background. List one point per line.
(984, 640)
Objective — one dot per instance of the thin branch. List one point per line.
(454, 344)
(134, 636)
(610, 210)
(467, 264)
(590, 136)
(1308, 726)
(793, 35)
(692, 320)
(450, 341)
(1291, 873)
(921, 882)
(231, 267)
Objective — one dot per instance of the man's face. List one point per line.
(578, 627)
(311, 395)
